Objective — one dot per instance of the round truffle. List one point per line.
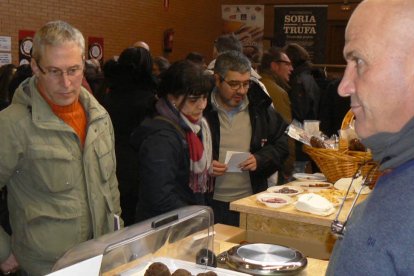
(157, 269)
(181, 272)
(209, 273)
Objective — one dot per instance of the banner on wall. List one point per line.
(25, 46)
(95, 48)
(305, 25)
(247, 23)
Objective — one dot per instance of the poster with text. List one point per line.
(25, 46)
(96, 48)
(305, 25)
(5, 58)
(247, 23)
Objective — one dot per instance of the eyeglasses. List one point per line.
(74, 71)
(288, 63)
(338, 228)
(236, 85)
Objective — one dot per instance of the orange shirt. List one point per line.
(74, 115)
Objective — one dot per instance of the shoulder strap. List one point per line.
(177, 127)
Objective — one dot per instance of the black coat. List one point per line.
(304, 94)
(268, 142)
(128, 105)
(164, 169)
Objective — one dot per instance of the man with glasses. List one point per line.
(275, 69)
(57, 158)
(242, 120)
(379, 79)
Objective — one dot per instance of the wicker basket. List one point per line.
(336, 164)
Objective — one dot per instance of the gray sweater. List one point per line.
(379, 237)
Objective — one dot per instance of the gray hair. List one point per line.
(56, 33)
(227, 42)
(232, 61)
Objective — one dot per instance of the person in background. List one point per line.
(275, 69)
(304, 96)
(57, 158)
(243, 120)
(377, 239)
(253, 54)
(23, 72)
(94, 75)
(159, 65)
(304, 93)
(197, 59)
(6, 75)
(332, 109)
(142, 44)
(130, 100)
(174, 146)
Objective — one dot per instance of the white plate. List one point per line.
(276, 190)
(317, 185)
(309, 177)
(268, 198)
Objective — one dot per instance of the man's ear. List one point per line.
(217, 79)
(35, 68)
(274, 66)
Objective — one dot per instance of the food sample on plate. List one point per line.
(286, 190)
(309, 177)
(314, 204)
(333, 195)
(319, 185)
(273, 200)
(313, 185)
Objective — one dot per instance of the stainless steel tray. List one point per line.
(264, 259)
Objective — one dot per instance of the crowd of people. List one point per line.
(136, 134)
(88, 148)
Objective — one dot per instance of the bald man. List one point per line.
(379, 79)
(142, 44)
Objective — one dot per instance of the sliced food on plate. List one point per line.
(274, 200)
(334, 196)
(313, 184)
(286, 190)
(309, 176)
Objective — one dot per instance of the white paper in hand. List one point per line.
(234, 158)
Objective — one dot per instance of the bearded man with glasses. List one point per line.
(57, 158)
(242, 119)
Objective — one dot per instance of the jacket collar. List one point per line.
(42, 115)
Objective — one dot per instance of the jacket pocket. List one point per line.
(51, 167)
(105, 159)
(51, 231)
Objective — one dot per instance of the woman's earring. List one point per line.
(173, 103)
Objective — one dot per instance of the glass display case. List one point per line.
(183, 238)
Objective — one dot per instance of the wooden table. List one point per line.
(287, 226)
